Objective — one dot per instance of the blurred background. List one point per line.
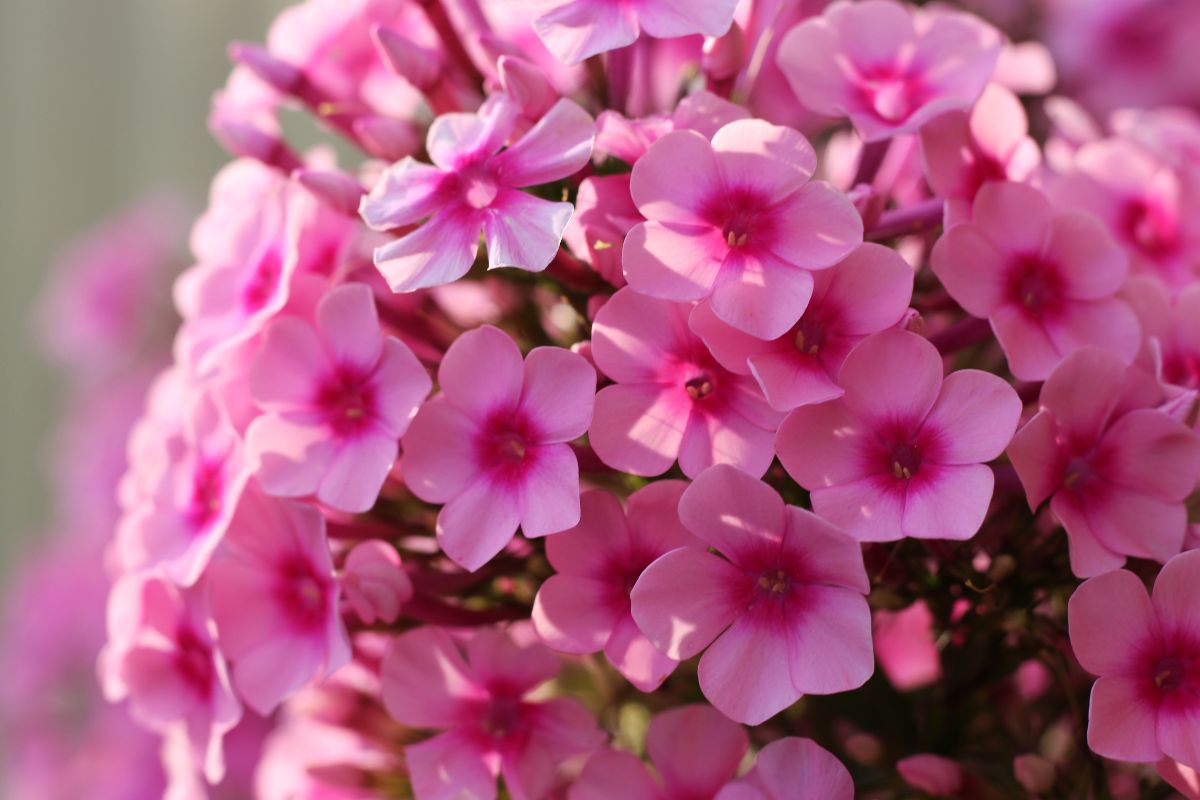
(101, 103)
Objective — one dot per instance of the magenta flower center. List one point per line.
(346, 400)
(502, 716)
(699, 387)
(263, 282)
(774, 583)
(1150, 227)
(505, 444)
(194, 661)
(1035, 285)
(478, 186)
(810, 336)
(891, 92)
(303, 594)
(208, 486)
(1170, 673)
(905, 458)
(742, 215)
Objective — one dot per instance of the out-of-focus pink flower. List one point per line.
(162, 655)
(476, 693)
(1171, 330)
(1145, 648)
(902, 452)
(578, 29)
(336, 398)
(629, 139)
(695, 752)
(963, 150)
(905, 647)
(672, 399)
(888, 67)
(1035, 773)
(737, 220)
(783, 611)
(1044, 280)
(275, 600)
(493, 445)
(585, 607)
(604, 214)
(473, 187)
(865, 293)
(792, 769)
(935, 775)
(1117, 478)
(375, 583)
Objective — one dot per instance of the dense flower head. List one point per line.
(783, 281)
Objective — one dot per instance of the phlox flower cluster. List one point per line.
(791, 337)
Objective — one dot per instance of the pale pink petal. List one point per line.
(772, 160)
(789, 380)
(425, 680)
(947, 501)
(1179, 731)
(1174, 596)
(695, 750)
(671, 181)
(524, 231)
(1109, 324)
(461, 138)
(672, 260)
(725, 438)
(438, 452)
(821, 553)
(558, 145)
(670, 19)
(972, 268)
(482, 372)
(998, 121)
(600, 539)
(653, 513)
(275, 669)
(829, 644)
(450, 765)
(636, 658)
(1035, 454)
(1111, 620)
(374, 581)
(1031, 353)
(349, 326)
(866, 509)
(288, 457)
(440, 251)
(821, 227)
(357, 472)
(406, 194)
(804, 56)
(893, 375)
(974, 418)
(946, 154)
(1148, 451)
(1135, 524)
(1015, 215)
(1089, 556)
(1086, 256)
(614, 773)
(729, 346)
(638, 428)
(558, 393)
(869, 290)
(497, 660)
(161, 692)
(1183, 779)
(686, 598)
(800, 769)
(549, 495)
(740, 516)
(476, 525)
(823, 445)
(1121, 724)
(288, 367)
(1083, 392)
(580, 29)
(740, 672)
(401, 384)
(762, 296)
(634, 335)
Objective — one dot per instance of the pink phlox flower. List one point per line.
(1045, 280)
(1116, 474)
(1171, 327)
(695, 752)
(604, 214)
(905, 646)
(866, 292)
(889, 67)
(275, 600)
(737, 220)
(963, 150)
(374, 582)
(335, 400)
(792, 768)
(492, 446)
(585, 607)
(629, 139)
(474, 186)
(477, 693)
(1145, 648)
(162, 655)
(902, 452)
(579, 29)
(671, 399)
(781, 610)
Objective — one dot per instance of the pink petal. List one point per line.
(524, 231)
(459, 138)
(557, 146)
(636, 658)
(729, 346)
(669, 19)
(772, 160)
(558, 393)
(580, 29)
(614, 773)
(349, 326)
(725, 438)
(972, 268)
(671, 181)
(763, 296)
(1174, 597)
(638, 428)
(1035, 455)
(161, 693)
(893, 375)
(425, 680)
(1031, 353)
(482, 372)
(1183, 779)
(821, 227)
(804, 56)
(975, 416)
(821, 553)
(1111, 621)
(695, 749)
(273, 670)
(672, 260)
(1109, 324)
(1137, 525)
(476, 525)
(634, 335)
(998, 121)
(1089, 556)
(451, 765)
(374, 581)
(790, 380)
(1086, 255)
(686, 598)
(653, 513)
(438, 452)
(405, 194)
(869, 290)
(288, 457)
(823, 445)
(946, 154)
(440, 251)
(549, 495)
(601, 538)
(1015, 214)
(740, 672)
(1179, 731)
(829, 641)
(950, 502)
(287, 370)
(1121, 723)
(803, 770)
(498, 661)
(1148, 452)
(401, 384)
(740, 516)
(1083, 392)
(864, 508)
(357, 472)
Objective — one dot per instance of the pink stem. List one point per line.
(907, 221)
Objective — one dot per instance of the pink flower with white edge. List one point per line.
(1145, 648)
(865, 293)
(195, 480)
(782, 613)
(336, 398)
(792, 769)
(585, 607)
(1116, 476)
(162, 655)
(579, 29)
(1045, 280)
(275, 600)
(474, 187)
(737, 220)
(695, 752)
(888, 67)
(671, 399)
(476, 692)
(493, 445)
(902, 452)
(963, 150)
(374, 582)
